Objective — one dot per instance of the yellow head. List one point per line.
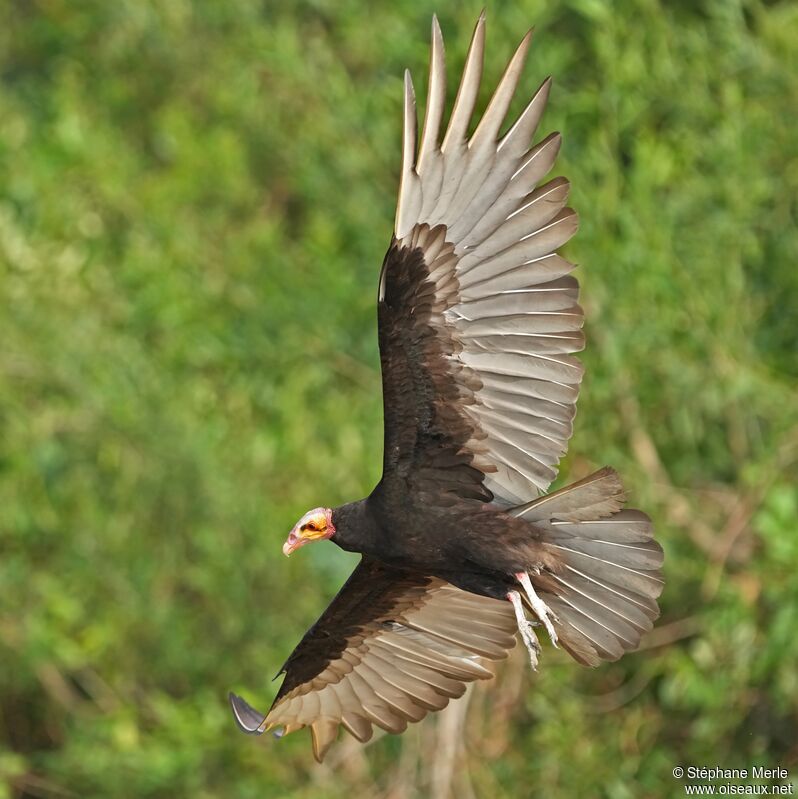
(315, 525)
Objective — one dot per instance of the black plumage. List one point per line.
(478, 321)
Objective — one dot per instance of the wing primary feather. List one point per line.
(488, 127)
(409, 189)
(547, 152)
(436, 96)
(525, 126)
(468, 89)
(248, 719)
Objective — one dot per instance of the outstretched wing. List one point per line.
(391, 647)
(478, 315)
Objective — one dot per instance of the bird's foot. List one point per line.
(525, 628)
(542, 610)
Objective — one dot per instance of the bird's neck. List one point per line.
(355, 528)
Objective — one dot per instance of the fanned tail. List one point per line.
(605, 593)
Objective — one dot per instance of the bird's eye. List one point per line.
(310, 526)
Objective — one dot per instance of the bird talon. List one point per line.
(532, 644)
(533, 639)
(526, 629)
(541, 609)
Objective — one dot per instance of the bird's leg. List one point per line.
(542, 610)
(525, 628)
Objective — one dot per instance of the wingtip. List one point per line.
(437, 34)
(249, 720)
(479, 28)
(526, 42)
(478, 37)
(527, 38)
(523, 47)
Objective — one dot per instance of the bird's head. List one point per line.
(315, 525)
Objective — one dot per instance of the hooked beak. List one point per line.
(294, 541)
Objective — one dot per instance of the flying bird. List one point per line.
(478, 322)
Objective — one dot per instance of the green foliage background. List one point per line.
(195, 198)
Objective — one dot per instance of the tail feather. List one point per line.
(599, 495)
(605, 591)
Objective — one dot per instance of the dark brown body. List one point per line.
(472, 545)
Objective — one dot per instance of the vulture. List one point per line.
(461, 547)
